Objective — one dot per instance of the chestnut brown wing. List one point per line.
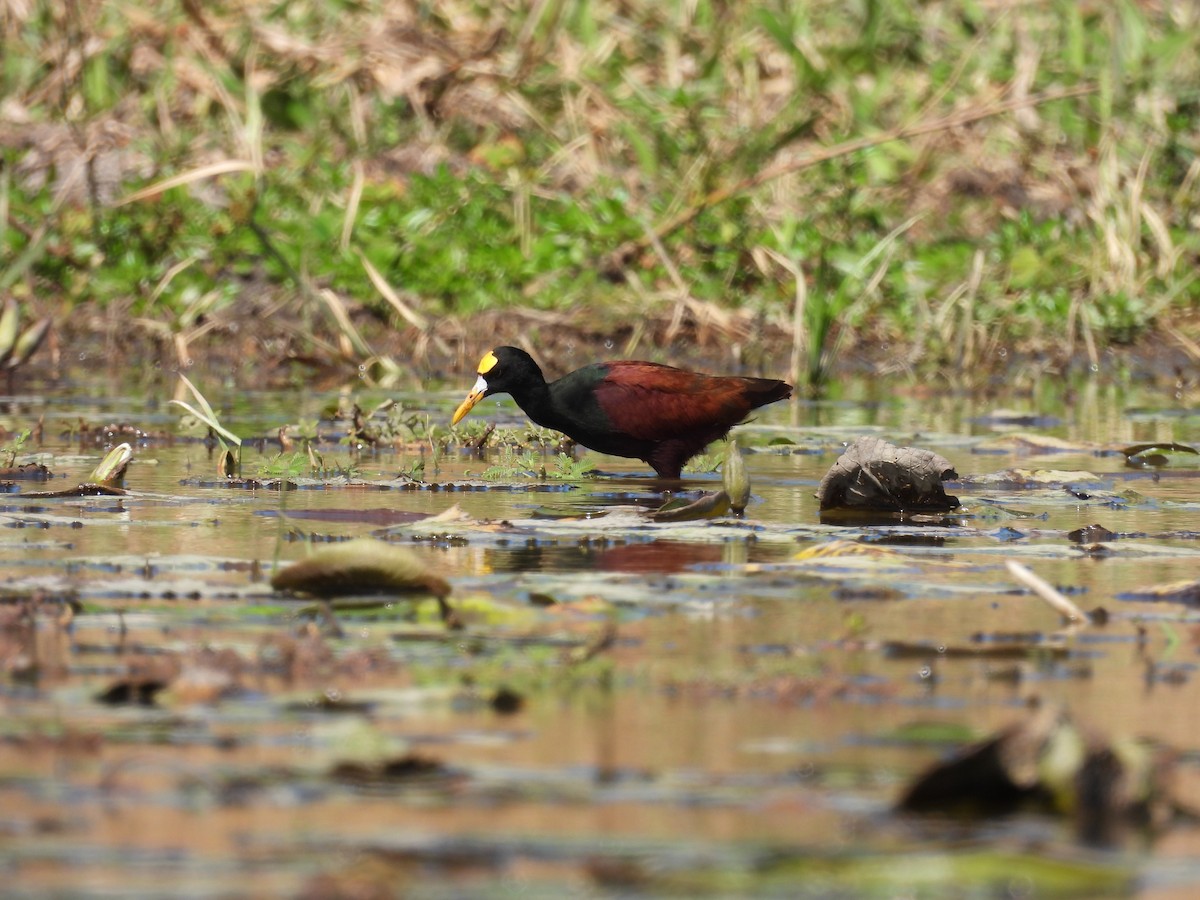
(652, 402)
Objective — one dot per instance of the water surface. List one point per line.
(744, 727)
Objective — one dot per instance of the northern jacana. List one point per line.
(643, 410)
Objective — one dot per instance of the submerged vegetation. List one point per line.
(933, 184)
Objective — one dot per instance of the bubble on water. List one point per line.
(1095, 367)
(82, 357)
(925, 672)
(333, 695)
(1021, 886)
(941, 648)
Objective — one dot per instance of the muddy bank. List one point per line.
(265, 341)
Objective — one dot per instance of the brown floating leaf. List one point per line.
(1032, 478)
(87, 489)
(360, 566)
(406, 768)
(873, 475)
(365, 566)
(1187, 591)
(1034, 444)
(835, 549)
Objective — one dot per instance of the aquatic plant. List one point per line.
(229, 464)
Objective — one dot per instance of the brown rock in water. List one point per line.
(875, 476)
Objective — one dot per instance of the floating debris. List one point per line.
(1091, 534)
(873, 475)
(1042, 588)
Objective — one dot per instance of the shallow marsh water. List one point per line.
(694, 710)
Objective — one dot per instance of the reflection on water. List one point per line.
(744, 721)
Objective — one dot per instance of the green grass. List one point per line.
(634, 154)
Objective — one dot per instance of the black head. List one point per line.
(505, 370)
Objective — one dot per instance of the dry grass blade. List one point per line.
(1190, 346)
(224, 167)
(1047, 592)
(796, 364)
(406, 312)
(341, 315)
(352, 204)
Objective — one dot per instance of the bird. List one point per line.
(642, 410)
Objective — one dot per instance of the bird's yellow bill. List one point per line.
(477, 394)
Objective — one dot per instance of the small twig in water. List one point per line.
(1047, 592)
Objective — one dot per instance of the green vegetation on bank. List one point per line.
(676, 161)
